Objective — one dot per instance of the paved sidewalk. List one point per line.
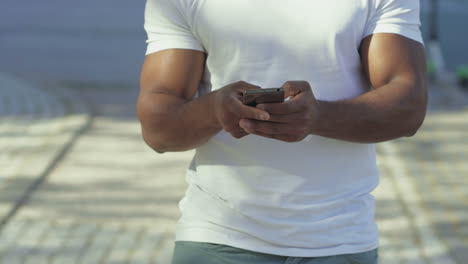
(428, 173)
(36, 128)
(110, 199)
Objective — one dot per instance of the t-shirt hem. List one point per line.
(171, 44)
(209, 236)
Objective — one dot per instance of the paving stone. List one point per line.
(124, 246)
(31, 242)
(50, 245)
(76, 244)
(149, 243)
(10, 234)
(100, 245)
(25, 243)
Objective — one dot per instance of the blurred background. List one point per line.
(78, 185)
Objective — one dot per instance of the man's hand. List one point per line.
(395, 107)
(229, 109)
(289, 121)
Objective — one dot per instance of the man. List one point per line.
(281, 182)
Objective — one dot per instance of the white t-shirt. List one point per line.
(305, 199)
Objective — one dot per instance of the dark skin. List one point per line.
(395, 107)
(172, 120)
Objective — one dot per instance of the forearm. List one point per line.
(178, 126)
(379, 115)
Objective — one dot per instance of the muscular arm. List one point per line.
(393, 108)
(170, 119)
(396, 105)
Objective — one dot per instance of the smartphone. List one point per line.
(262, 96)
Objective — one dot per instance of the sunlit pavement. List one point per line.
(36, 128)
(111, 199)
(422, 206)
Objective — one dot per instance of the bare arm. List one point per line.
(170, 118)
(395, 107)
(169, 80)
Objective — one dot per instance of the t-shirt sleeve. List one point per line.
(167, 28)
(395, 16)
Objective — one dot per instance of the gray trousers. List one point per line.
(188, 252)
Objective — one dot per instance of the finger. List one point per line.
(245, 111)
(287, 119)
(239, 134)
(292, 88)
(265, 127)
(287, 107)
(243, 86)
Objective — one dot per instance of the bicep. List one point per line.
(177, 72)
(392, 57)
(168, 77)
(174, 61)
